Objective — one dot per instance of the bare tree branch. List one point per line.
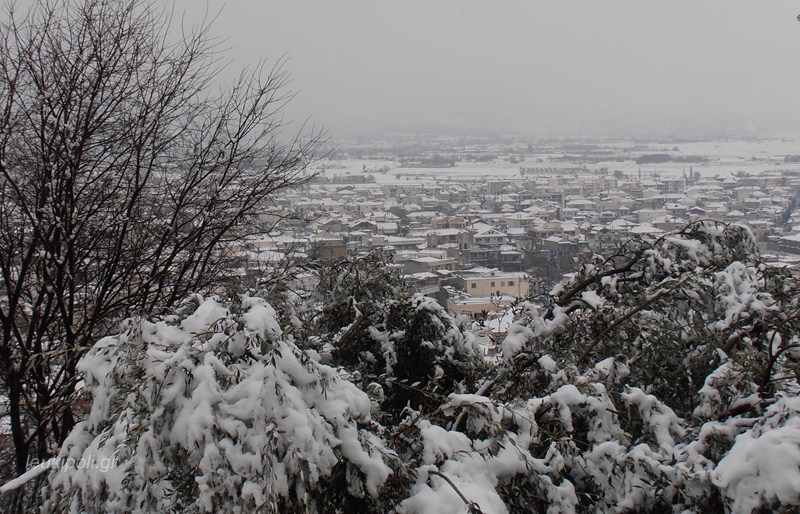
(127, 181)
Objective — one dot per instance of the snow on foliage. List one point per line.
(200, 409)
(763, 466)
(663, 378)
(404, 348)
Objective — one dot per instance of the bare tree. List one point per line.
(126, 178)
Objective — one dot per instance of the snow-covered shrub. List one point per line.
(214, 410)
(662, 379)
(675, 308)
(404, 348)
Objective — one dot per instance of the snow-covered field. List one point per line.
(724, 158)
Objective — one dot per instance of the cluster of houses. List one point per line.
(478, 243)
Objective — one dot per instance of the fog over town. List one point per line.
(418, 257)
(647, 69)
(559, 129)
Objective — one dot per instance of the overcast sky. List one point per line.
(680, 67)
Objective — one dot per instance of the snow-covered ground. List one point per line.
(724, 158)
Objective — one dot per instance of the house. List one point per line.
(364, 225)
(491, 282)
(428, 265)
(438, 237)
(387, 228)
(789, 244)
(647, 215)
(489, 238)
(327, 247)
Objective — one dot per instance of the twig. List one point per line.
(629, 315)
(473, 507)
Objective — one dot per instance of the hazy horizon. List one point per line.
(681, 68)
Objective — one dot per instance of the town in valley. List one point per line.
(479, 223)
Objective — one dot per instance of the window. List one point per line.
(511, 282)
(502, 284)
(474, 285)
(492, 284)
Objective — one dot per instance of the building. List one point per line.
(491, 282)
